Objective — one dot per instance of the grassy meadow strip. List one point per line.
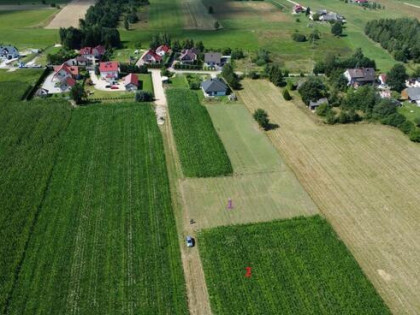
(298, 266)
(105, 241)
(13, 85)
(200, 149)
(29, 143)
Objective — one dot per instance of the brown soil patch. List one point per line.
(70, 14)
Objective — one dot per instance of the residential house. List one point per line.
(298, 8)
(360, 76)
(189, 56)
(8, 52)
(214, 87)
(92, 53)
(412, 94)
(413, 82)
(382, 79)
(80, 61)
(385, 93)
(151, 57)
(314, 104)
(131, 82)
(65, 76)
(109, 70)
(332, 17)
(162, 50)
(212, 59)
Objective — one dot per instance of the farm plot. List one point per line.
(70, 14)
(105, 239)
(298, 266)
(196, 15)
(263, 188)
(29, 143)
(200, 149)
(364, 178)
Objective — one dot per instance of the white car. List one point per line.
(190, 241)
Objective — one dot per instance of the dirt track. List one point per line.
(70, 14)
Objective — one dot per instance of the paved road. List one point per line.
(213, 74)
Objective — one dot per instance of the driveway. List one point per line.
(100, 84)
(50, 85)
(160, 97)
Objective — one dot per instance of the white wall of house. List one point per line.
(107, 75)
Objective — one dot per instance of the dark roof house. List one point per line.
(189, 55)
(360, 76)
(214, 87)
(213, 58)
(314, 104)
(414, 93)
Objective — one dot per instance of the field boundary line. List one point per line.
(35, 220)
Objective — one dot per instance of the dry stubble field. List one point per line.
(365, 179)
(70, 14)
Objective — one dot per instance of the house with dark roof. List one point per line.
(314, 104)
(109, 70)
(214, 87)
(189, 56)
(8, 52)
(131, 82)
(212, 59)
(360, 76)
(412, 94)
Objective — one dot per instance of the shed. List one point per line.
(314, 104)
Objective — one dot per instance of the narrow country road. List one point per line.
(160, 97)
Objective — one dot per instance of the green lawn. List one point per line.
(24, 28)
(14, 84)
(105, 239)
(178, 81)
(29, 144)
(298, 266)
(199, 147)
(409, 110)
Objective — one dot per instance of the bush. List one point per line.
(323, 110)
(415, 135)
(394, 120)
(297, 37)
(312, 90)
(143, 96)
(286, 95)
(417, 121)
(406, 127)
(261, 117)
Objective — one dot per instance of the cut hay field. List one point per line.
(70, 14)
(199, 147)
(262, 188)
(298, 266)
(105, 239)
(196, 15)
(29, 144)
(364, 178)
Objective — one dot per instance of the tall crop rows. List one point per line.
(298, 266)
(200, 149)
(13, 85)
(29, 143)
(105, 241)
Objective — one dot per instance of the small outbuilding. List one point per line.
(314, 104)
(214, 87)
(131, 82)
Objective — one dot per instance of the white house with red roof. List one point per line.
(92, 52)
(131, 82)
(162, 50)
(65, 76)
(151, 57)
(109, 70)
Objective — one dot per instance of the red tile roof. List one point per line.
(151, 54)
(109, 66)
(131, 79)
(72, 70)
(85, 51)
(71, 82)
(163, 48)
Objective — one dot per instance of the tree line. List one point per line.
(401, 37)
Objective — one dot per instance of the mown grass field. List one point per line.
(14, 84)
(196, 15)
(200, 149)
(298, 266)
(24, 28)
(263, 188)
(105, 238)
(364, 180)
(411, 111)
(29, 143)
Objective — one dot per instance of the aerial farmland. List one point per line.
(210, 157)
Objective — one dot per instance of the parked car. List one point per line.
(107, 86)
(190, 241)
(114, 87)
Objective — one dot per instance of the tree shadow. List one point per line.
(271, 126)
